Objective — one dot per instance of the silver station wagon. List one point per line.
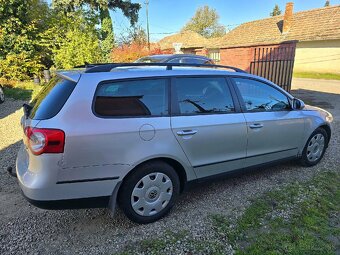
(136, 134)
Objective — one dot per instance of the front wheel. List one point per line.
(315, 148)
(149, 192)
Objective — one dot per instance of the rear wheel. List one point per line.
(149, 192)
(315, 148)
(2, 95)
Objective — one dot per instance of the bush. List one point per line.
(132, 52)
(19, 67)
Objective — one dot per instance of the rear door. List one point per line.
(208, 124)
(274, 129)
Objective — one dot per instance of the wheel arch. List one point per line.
(328, 131)
(178, 167)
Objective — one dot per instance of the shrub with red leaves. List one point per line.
(131, 52)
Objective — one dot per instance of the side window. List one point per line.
(260, 97)
(175, 60)
(132, 98)
(203, 96)
(193, 61)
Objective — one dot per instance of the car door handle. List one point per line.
(186, 132)
(256, 125)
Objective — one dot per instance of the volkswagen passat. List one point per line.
(138, 136)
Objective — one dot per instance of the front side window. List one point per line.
(132, 98)
(260, 97)
(209, 95)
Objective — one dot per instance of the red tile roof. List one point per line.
(311, 25)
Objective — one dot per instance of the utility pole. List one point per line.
(147, 21)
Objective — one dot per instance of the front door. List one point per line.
(205, 122)
(274, 129)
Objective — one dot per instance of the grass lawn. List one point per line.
(21, 90)
(326, 76)
(301, 218)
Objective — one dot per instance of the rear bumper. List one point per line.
(42, 186)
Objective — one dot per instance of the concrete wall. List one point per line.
(318, 56)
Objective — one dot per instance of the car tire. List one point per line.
(2, 95)
(149, 192)
(315, 148)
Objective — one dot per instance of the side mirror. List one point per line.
(298, 104)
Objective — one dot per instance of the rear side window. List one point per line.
(51, 99)
(203, 96)
(132, 98)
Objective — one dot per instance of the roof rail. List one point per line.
(107, 67)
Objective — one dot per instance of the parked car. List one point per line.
(2, 95)
(176, 58)
(137, 137)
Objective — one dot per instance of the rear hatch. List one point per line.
(48, 102)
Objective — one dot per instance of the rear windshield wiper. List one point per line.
(27, 109)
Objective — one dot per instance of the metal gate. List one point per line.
(275, 64)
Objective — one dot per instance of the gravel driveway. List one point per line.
(25, 229)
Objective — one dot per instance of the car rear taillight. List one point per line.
(45, 140)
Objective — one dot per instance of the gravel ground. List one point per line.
(25, 229)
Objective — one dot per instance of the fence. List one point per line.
(275, 64)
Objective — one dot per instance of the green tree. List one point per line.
(21, 22)
(130, 10)
(276, 11)
(73, 39)
(206, 23)
(327, 3)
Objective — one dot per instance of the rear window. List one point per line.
(51, 99)
(132, 98)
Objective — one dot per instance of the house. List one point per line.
(192, 42)
(315, 34)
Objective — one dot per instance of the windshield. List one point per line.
(51, 99)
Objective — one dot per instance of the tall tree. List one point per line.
(276, 11)
(130, 10)
(72, 39)
(21, 22)
(206, 23)
(327, 3)
(135, 34)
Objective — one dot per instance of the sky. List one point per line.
(169, 16)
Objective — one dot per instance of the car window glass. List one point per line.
(51, 98)
(203, 96)
(132, 98)
(193, 61)
(175, 60)
(260, 97)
